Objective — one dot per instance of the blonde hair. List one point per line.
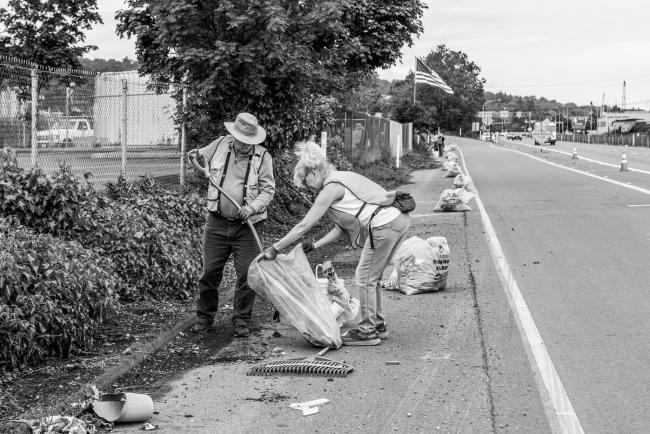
(312, 157)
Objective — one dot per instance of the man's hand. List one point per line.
(270, 253)
(193, 156)
(245, 212)
(308, 246)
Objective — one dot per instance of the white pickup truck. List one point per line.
(67, 132)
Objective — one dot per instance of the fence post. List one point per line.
(34, 114)
(398, 149)
(323, 141)
(182, 179)
(125, 87)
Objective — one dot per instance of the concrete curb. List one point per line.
(133, 356)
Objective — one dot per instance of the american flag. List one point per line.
(424, 74)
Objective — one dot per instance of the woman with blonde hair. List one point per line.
(372, 218)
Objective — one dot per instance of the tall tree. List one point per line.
(47, 32)
(433, 107)
(277, 59)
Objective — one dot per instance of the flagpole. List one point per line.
(415, 83)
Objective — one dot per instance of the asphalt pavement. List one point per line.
(454, 360)
(577, 245)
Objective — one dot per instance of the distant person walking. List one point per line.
(244, 170)
(441, 145)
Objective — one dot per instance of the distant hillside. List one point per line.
(110, 65)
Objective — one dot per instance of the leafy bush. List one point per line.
(47, 203)
(336, 154)
(185, 208)
(152, 256)
(53, 294)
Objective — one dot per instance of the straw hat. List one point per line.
(246, 129)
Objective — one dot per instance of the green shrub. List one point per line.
(152, 256)
(186, 209)
(336, 154)
(53, 294)
(46, 203)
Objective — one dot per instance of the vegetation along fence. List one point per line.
(368, 138)
(106, 124)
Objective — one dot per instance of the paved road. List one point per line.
(637, 157)
(579, 254)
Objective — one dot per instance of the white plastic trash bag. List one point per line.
(454, 199)
(420, 266)
(291, 286)
(451, 156)
(453, 169)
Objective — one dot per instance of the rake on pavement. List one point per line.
(314, 365)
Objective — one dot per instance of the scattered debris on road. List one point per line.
(310, 407)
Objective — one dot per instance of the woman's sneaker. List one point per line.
(359, 338)
(381, 331)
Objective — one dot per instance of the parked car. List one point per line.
(67, 132)
(514, 136)
(486, 136)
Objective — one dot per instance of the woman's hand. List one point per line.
(308, 246)
(271, 253)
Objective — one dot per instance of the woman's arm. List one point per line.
(329, 238)
(328, 195)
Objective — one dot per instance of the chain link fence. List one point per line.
(607, 139)
(369, 138)
(107, 125)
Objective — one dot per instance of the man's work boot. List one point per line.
(242, 331)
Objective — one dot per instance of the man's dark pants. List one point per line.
(221, 238)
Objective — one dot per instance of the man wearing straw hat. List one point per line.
(243, 169)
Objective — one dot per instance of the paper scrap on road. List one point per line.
(310, 407)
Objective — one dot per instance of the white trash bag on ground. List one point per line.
(454, 199)
(453, 169)
(463, 181)
(291, 286)
(420, 266)
(451, 156)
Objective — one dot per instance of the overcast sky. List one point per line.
(568, 50)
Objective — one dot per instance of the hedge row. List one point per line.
(68, 253)
(53, 294)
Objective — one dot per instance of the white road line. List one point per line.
(638, 205)
(631, 169)
(566, 416)
(571, 169)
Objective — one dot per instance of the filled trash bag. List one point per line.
(420, 266)
(291, 286)
(463, 181)
(451, 156)
(453, 169)
(454, 199)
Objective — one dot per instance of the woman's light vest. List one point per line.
(355, 224)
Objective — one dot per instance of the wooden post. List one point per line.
(34, 114)
(398, 149)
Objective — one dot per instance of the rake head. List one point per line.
(315, 365)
